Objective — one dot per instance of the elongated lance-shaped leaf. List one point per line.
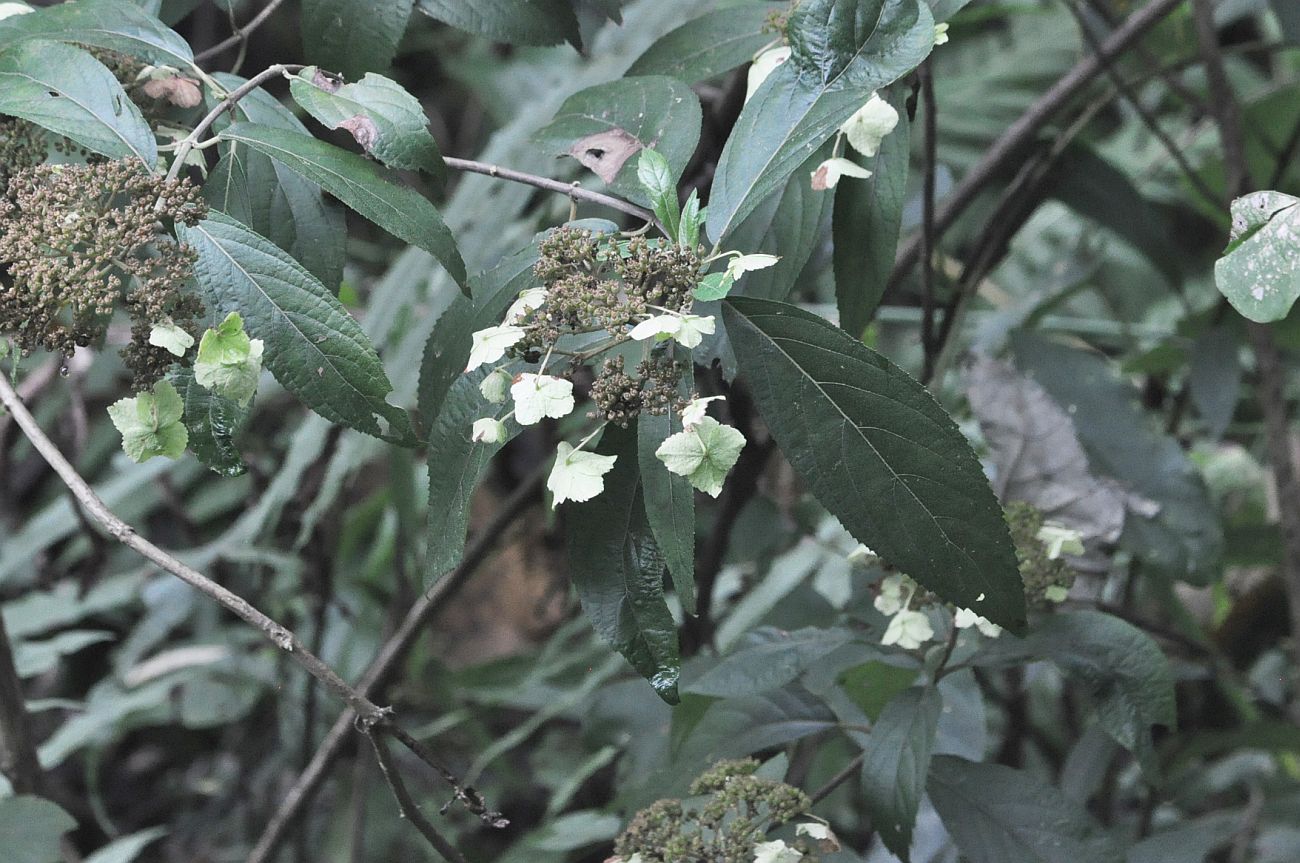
(896, 758)
(353, 37)
(707, 46)
(64, 89)
(358, 183)
(669, 497)
(618, 571)
(117, 25)
(315, 349)
(880, 454)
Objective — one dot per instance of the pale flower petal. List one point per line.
(891, 600)
(742, 264)
(703, 453)
(488, 430)
(1056, 593)
(577, 475)
(660, 327)
(908, 629)
(869, 125)
(538, 396)
(693, 329)
(491, 344)
(828, 173)
(964, 618)
(941, 34)
(776, 852)
(174, 339)
(529, 300)
(495, 386)
(1060, 539)
(764, 64)
(695, 410)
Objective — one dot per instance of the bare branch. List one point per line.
(241, 34)
(407, 805)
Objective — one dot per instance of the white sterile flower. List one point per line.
(695, 410)
(488, 430)
(965, 619)
(862, 556)
(495, 386)
(665, 326)
(491, 344)
(8, 9)
(538, 396)
(821, 833)
(742, 264)
(908, 629)
(764, 64)
(1060, 539)
(892, 599)
(171, 337)
(577, 475)
(941, 34)
(1056, 593)
(828, 173)
(869, 125)
(688, 330)
(529, 300)
(703, 454)
(776, 852)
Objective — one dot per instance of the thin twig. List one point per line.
(241, 34)
(931, 124)
(18, 761)
(847, 772)
(407, 805)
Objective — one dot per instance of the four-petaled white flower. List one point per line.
(741, 264)
(577, 475)
(869, 125)
(908, 629)
(821, 833)
(491, 344)
(965, 619)
(687, 330)
(891, 599)
(488, 430)
(171, 337)
(1060, 539)
(695, 410)
(495, 386)
(538, 396)
(529, 300)
(776, 851)
(764, 64)
(828, 173)
(703, 454)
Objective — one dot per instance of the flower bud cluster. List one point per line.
(80, 242)
(1039, 546)
(22, 145)
(620, 397)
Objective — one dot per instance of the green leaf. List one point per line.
(707, 46)
(456, 466)
(618, 571)
(896, 758)
(65, 90)
(773, 659)
(359, 184)
(868, 217)
(660, 183)
(1259, 272)
(150, 423)
(1122, 669)
(229, 362)
(604, 127)
(315, 349)
(669, 499)
(714, 286)
(111, 24)
(387, 121)
(1180, 534)
(517, 22)
(128, 848)
(353, 37)
(880, 454)
(996, 814)
(843, 50)
(1214, 377)
(273, 200)
(32, 828)
(213, 423)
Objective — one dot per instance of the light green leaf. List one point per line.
(171, 337)
(707, 46)
(387, 121)
(1259, 272)
(659, 182)
(896, 758)
(359, 184)
(353, 37)
(65, 90)
(111, 24)
(315, 349)
(517, 22)
(604, 127)
(32, 828)
(772, 659)
(669, 500)
(213, 423)
(150, 423)
(880, 454)
(229, 362)
(843, 50)
(703, 453)
(618, 571)
(714, 286)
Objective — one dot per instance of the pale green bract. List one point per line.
(150, 423)
(229, 362)
(577, 475)
(171, 337)
(703, 454)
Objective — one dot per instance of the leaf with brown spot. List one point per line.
(180, 91)
(605, 153)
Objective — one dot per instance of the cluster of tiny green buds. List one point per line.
(1040, 547)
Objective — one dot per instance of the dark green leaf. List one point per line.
(868, 216)
(736, 727)
(773, 659)
(457, 465)
(358, 183)
(618, 571)
(112, 24)
(1214, 378)
(519, 22)
(996, 814)
(669, 498)
(388, 122)
(213, 422)
(32, 828)
(353, 37)
(880, 454)
(1259, 272)
(1288, 18)
(315, 349)
(945, 9)
(843, 50)
(896, 759)
(1183, 537)
(605, 127)
(707, 46)
(65, 90)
